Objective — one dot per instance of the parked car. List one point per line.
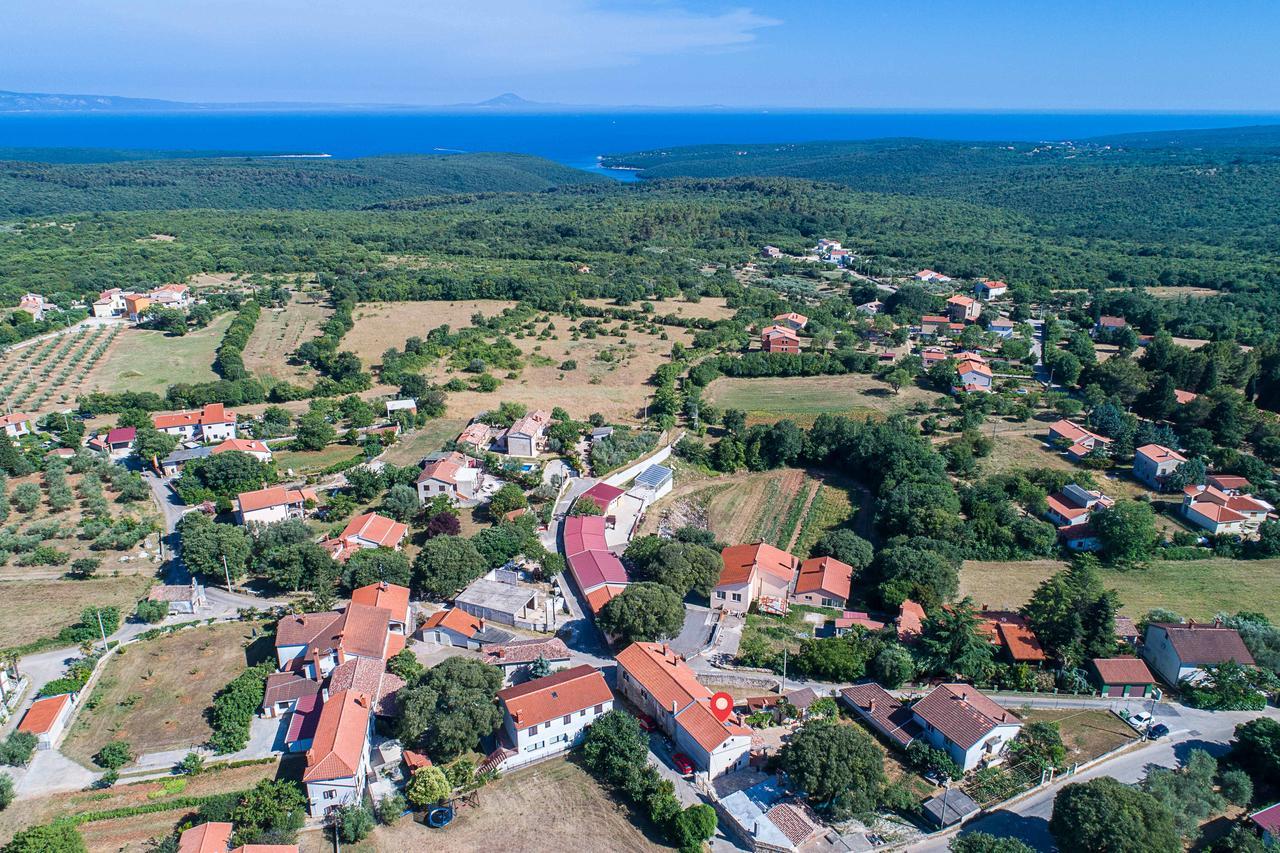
(646, 722)
(1140, 721)
(682, 763)
(1158, 731)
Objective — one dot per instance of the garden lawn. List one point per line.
(146, 360)
(1086, 734)
(314, 461)
(155, 694)
(1196, 589)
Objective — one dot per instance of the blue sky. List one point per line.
(946, 54)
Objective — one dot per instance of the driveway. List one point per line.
(49, 772)
(696, 633)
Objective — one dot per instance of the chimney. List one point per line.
(871, 706)
(673, 706)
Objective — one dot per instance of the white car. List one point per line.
(1141, 721)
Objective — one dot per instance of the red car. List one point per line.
(682, 763)
(646, 722)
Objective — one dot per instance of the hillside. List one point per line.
(29, 188)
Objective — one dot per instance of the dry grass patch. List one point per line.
(1085, 733)
(802, 399)
(147, 360)
(36, 609)
(411, 447)
(707, 308)
(155, 694)
(382, 325)
(279, 332)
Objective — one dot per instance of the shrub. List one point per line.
(152, 612)
(192, 764)
(17, 749)
(235, 706)
(26, 497)
(114, 755)
(352, 823)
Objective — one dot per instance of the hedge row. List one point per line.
(235, 706)
(229, 362)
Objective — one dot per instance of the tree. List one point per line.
(192, 764)
(952, 643)
(314, 432)
(897, 378)
(1229, 686)
(57, 837)
(427, 786)
(615, 748)
(1040, 743)
(352, 822)
(12, 462)
(114, 755)
(540, 668)
(508, 498)
(451, 707)
(26, 497)
(443, 524)
(364, 483)
(1236, 786)
(1126, 530)
(921, 569)
(1072, 615)
(839, 768)
(1187, 793)
(1256, 749)
(846, 546)
(6, 791)
(643, 612)
(274, 808)
(1104, 815)
(83, 568)
(205, 544)
(223, 475)
(981, 842)
(376, 565)
(682, 566)
(694, 826)
(445, 565)
(893, 667)
(406, 665)
(1189, 473)
(401, 503)
(151, 612)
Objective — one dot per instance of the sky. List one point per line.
(1172, 55)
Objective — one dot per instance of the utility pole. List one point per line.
(101, 630)
(226, 572)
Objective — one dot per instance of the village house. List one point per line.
(910, 621)
(338, 759)
(826, 245)
(1077, 440)
(752, 573)
(652, 484)
(172, 465)
(476, 437)
(931, 276)
(119, 441)
(392, 598)
(850, 619)
(257, 449)
(314, 644)
(882, 711)
(658, 682)
(1001, 327)
(871, 308)
(171, 296)
(215, 837)
(1218, 512)
(967, 725)
(211, 423)
(500, 597)
(764, 817)
(452, 474)
(547, 716)
(517, 659)
(1108, 325)
(770, 252)
(779, 339)
(182, 598)
(35, 305)
(1011, 635)
(527, 436)
(598, 573)
(16, 425)
(792, 321)
(823, 582)
(274, 503)
(934, 324)
(135, 306)
(456, 627)
(1080, 537)
(1073, 505)
(1123, 677)
(1184, 397)
(988, 290)
(1178, 652)
(603, 495)
(973, 374)
(963, 309)
(368, 530)
(1153, 463)
(47, 718)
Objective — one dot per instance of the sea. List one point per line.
(576, 139)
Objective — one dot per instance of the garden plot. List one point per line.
(279, 333)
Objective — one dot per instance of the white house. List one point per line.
(968, 726)
(1180, 652)
(1153, 463)
(516, 659)
(452, 474)
(659, 683)
(1073, 505)
(257, 449)
(988, 290)
(390, 597)
(525, 437)
(931, 275)
(47, 719)
(1001, 327)
(317, 643)
(452, 627)
(1218, 511)
(546, 716)
(368, 530)
(275, 503)
(338, 760)
(213, 422)
(974, 375)
(16, 425)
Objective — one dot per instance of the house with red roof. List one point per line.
(973, 374)
(752, 573)
(47, 719)
(603, 495)
(1011, 634)
(1073, 505)
(546, 716)
(275, 503)
(453, 626)
(934, 324)
(597, 571)
(1153, 463)
(369, 530)
(517, 658)
(316, 643)
(1219, 512)
(213, 422)
(969, 726)
(35, 305)
(1180, 652)
(988, 290)
(658, 682)
(1267, 823)
(527, 436)
(850, 619)
(1108, 325)
(910, 621)
(792, 320)
(16, 424)
(1123, 677)
(779, 339)
(119, 441)
(823, 582)
(453, 474)
(253, 447)
(882, 711)
(390, 597)
(1077, 440)
(931, 275)
(963, 309)
(338, 760)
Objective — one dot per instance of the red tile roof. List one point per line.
(287, 686)
(1123, 670)
(741, 562)
(358, 630)
(212, 837)
(527, 651)
(370, 677)
(565, 692)
(583, 533)
(883, 711)
(304, 720)
(338, 747)
(602, 595)
(663, 673)
(120, 435)
(388, 596)
(273, 496)
(1159, 453)
(212, 413)
(603, 495)
(825, 574)
(378, 529)
(1203, 645)
(1268, 819)
(243, 445)
(1075, 433)
(910, 620)
(455, 619)
(15, 418)
(706, 729)
(41, 715)
(444, 469)
(962, 713)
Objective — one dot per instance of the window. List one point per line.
(329, 795)
(828, 602)
(568, 718)
(737, 596)
(720, 594)
(599, 708)
(583, 712)
(533, 730)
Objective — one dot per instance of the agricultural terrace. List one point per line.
(1196, 589)
(134, 833)
(278, 334)
(154, 694)
(148, 360)
(802, 399)
(38, 609)
(50, 374)
(606, 371)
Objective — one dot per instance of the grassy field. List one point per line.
(555, 802)
(145, 360)
(48, 375)
(803, 399)
(1196, 589)
(132, 834)
(411, 447)
(155, 695)
(709, 307)
(612, 374)
(36, 609)
(279, 332)
(313, 461)
(1085, 733)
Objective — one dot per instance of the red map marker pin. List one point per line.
(722, 706)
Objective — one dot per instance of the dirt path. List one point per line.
(804, 513)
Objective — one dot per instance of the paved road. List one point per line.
(1190, 729)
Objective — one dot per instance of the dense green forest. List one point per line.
(39, 188)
